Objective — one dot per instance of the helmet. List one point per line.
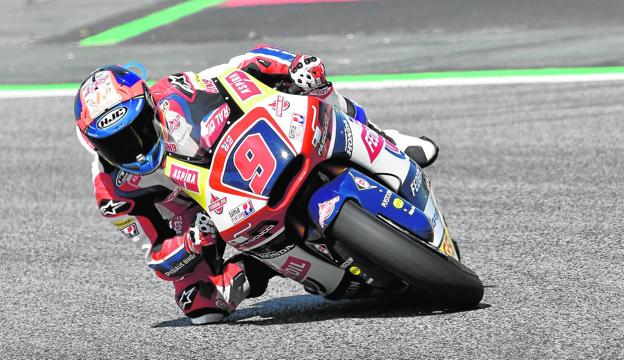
(114, 111)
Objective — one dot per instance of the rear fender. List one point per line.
(371, 195)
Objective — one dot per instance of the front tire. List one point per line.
(439, 277)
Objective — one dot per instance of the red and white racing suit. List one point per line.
(151, 212)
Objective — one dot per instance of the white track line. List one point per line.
(502, 80)
(19, 94)
(384, 84)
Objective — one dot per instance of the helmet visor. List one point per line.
(130, 143)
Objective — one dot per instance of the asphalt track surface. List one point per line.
(529, 177)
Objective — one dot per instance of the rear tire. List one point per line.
(439, 277)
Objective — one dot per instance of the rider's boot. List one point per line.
(420, 149)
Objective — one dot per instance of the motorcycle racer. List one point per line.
(115, 112)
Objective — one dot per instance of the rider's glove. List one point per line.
(202, 233)
(308, 73)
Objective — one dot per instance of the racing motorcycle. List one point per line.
(317, 196)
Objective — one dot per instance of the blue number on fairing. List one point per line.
(256, 161)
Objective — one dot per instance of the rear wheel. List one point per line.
(439, 277)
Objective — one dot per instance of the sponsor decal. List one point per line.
(211, 87)
(322, 92)
(164, 106)
(322, 248)
(435, 218)
(123, 223)
(386, 199)
(326, 132)
(111, 117)
(242, 212)
(244, 87)
(227, 143)
(362, 184)
(348, 139)
(121, 178)
(262, 231)
(326, 209)
(373, 143)
(216, 204)
(174, 194)
(178, 127)
(124, 177)
(297, 126)
(173, 122)
(186, 178)
(212, 127)
(176, 224)
(99, 93)
(416, 182)
(277, 253)
(447, 247)
(130, 231)
(224, 306)
(179, 266)
(181, 83)
(110, 207)
(279, 105)
(171, 147)
(346, 264)
(398, 203)
(295, 268)
(187, 297)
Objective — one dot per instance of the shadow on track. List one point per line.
(310, 308)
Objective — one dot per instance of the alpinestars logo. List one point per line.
(187, 297)
(180, 82)
(110, 207)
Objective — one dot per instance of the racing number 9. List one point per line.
(255, 162)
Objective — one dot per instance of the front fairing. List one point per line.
(241, 188)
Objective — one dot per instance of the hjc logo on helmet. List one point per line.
(111, 117)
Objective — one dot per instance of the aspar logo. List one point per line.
(187, 178)
(243, 85)
(112, 117)
(295, 268)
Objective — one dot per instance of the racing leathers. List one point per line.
(179, 239)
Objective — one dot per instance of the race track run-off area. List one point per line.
(528, 176)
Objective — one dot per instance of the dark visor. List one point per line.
(137, 138)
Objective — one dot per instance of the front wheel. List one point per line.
(439, 277)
